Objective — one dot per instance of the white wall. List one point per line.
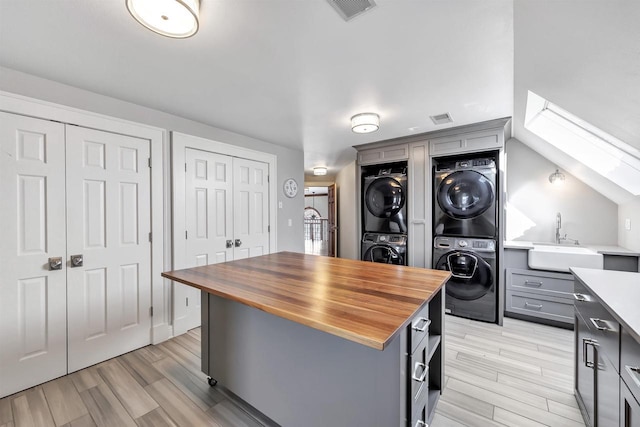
(582, 56)
(532, 202)
(290, 162)
(348, 236)
(629, 239)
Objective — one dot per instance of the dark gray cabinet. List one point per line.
(629, 408)
(424, 349)
(630, 381)
(597, 349)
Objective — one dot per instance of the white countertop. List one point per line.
(619, 291)
(602, 249)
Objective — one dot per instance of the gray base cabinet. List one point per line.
(540, 294)
(299, 376)
(630, 381)
(597, 367)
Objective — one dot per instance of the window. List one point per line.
(596, 149)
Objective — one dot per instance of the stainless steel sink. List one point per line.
(561, 257)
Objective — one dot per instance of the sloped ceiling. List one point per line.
(290, 72)
(585, 57)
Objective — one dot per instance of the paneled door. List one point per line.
(209, 222)
(108, 223)
(251, 208)
(226, 216)
(33, 334)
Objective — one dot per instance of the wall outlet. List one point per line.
(627, 223)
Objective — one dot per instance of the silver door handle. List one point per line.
(238, 242)
(532, 283)
(55, 263)
(77, 260)
(229, 244)
(634, 372)
(420, 378)
(424, 327)
(585, 359)
(534, 306)
(605, 328)
(581, 298)
(421, 423)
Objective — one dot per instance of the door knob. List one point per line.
(238, 242)
(77, 260)
(229, 244)
(55, 263)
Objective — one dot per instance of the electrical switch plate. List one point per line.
(279, 205)
(290, 222)
(627, 224)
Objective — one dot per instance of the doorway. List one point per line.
(320, 220)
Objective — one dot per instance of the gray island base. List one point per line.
(299, 376)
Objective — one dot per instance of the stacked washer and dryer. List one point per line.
(384, 213)
(465, 230)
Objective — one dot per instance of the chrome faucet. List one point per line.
(560, 239)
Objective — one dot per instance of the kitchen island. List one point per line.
(317, 341)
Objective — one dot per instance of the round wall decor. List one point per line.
(290, 187)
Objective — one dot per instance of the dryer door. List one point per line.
(465, 194)
(384, 197)
(383, 254)
(471, 276)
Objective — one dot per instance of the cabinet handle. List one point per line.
(580, 297)
(422, 328)
(605, 328)
(534, 306)
(634, 372)
(585, 359)
(532, 283)
(420, 378)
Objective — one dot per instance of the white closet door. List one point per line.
(108, 222)
(209, 224)
(251, 208)
(33, 340)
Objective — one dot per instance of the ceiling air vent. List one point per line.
(349, 9)
(441, 119)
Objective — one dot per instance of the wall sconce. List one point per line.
(365, 122)
(556, 178)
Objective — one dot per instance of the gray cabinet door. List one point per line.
(629, 408)
(585, 374)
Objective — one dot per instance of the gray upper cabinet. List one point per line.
(491, 139)
(381, 155)
(419, 250)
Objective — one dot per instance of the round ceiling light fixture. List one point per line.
(320, 171)
(178, 19)
(365, 122)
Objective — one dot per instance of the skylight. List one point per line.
(603, 153)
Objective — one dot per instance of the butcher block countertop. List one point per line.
(364, 302)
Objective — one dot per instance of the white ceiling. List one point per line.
(290, 72)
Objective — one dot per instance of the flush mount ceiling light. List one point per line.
(365, 122)
(320, 171)
(172, 18)
(556, 178)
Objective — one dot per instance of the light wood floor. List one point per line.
(518, 375)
